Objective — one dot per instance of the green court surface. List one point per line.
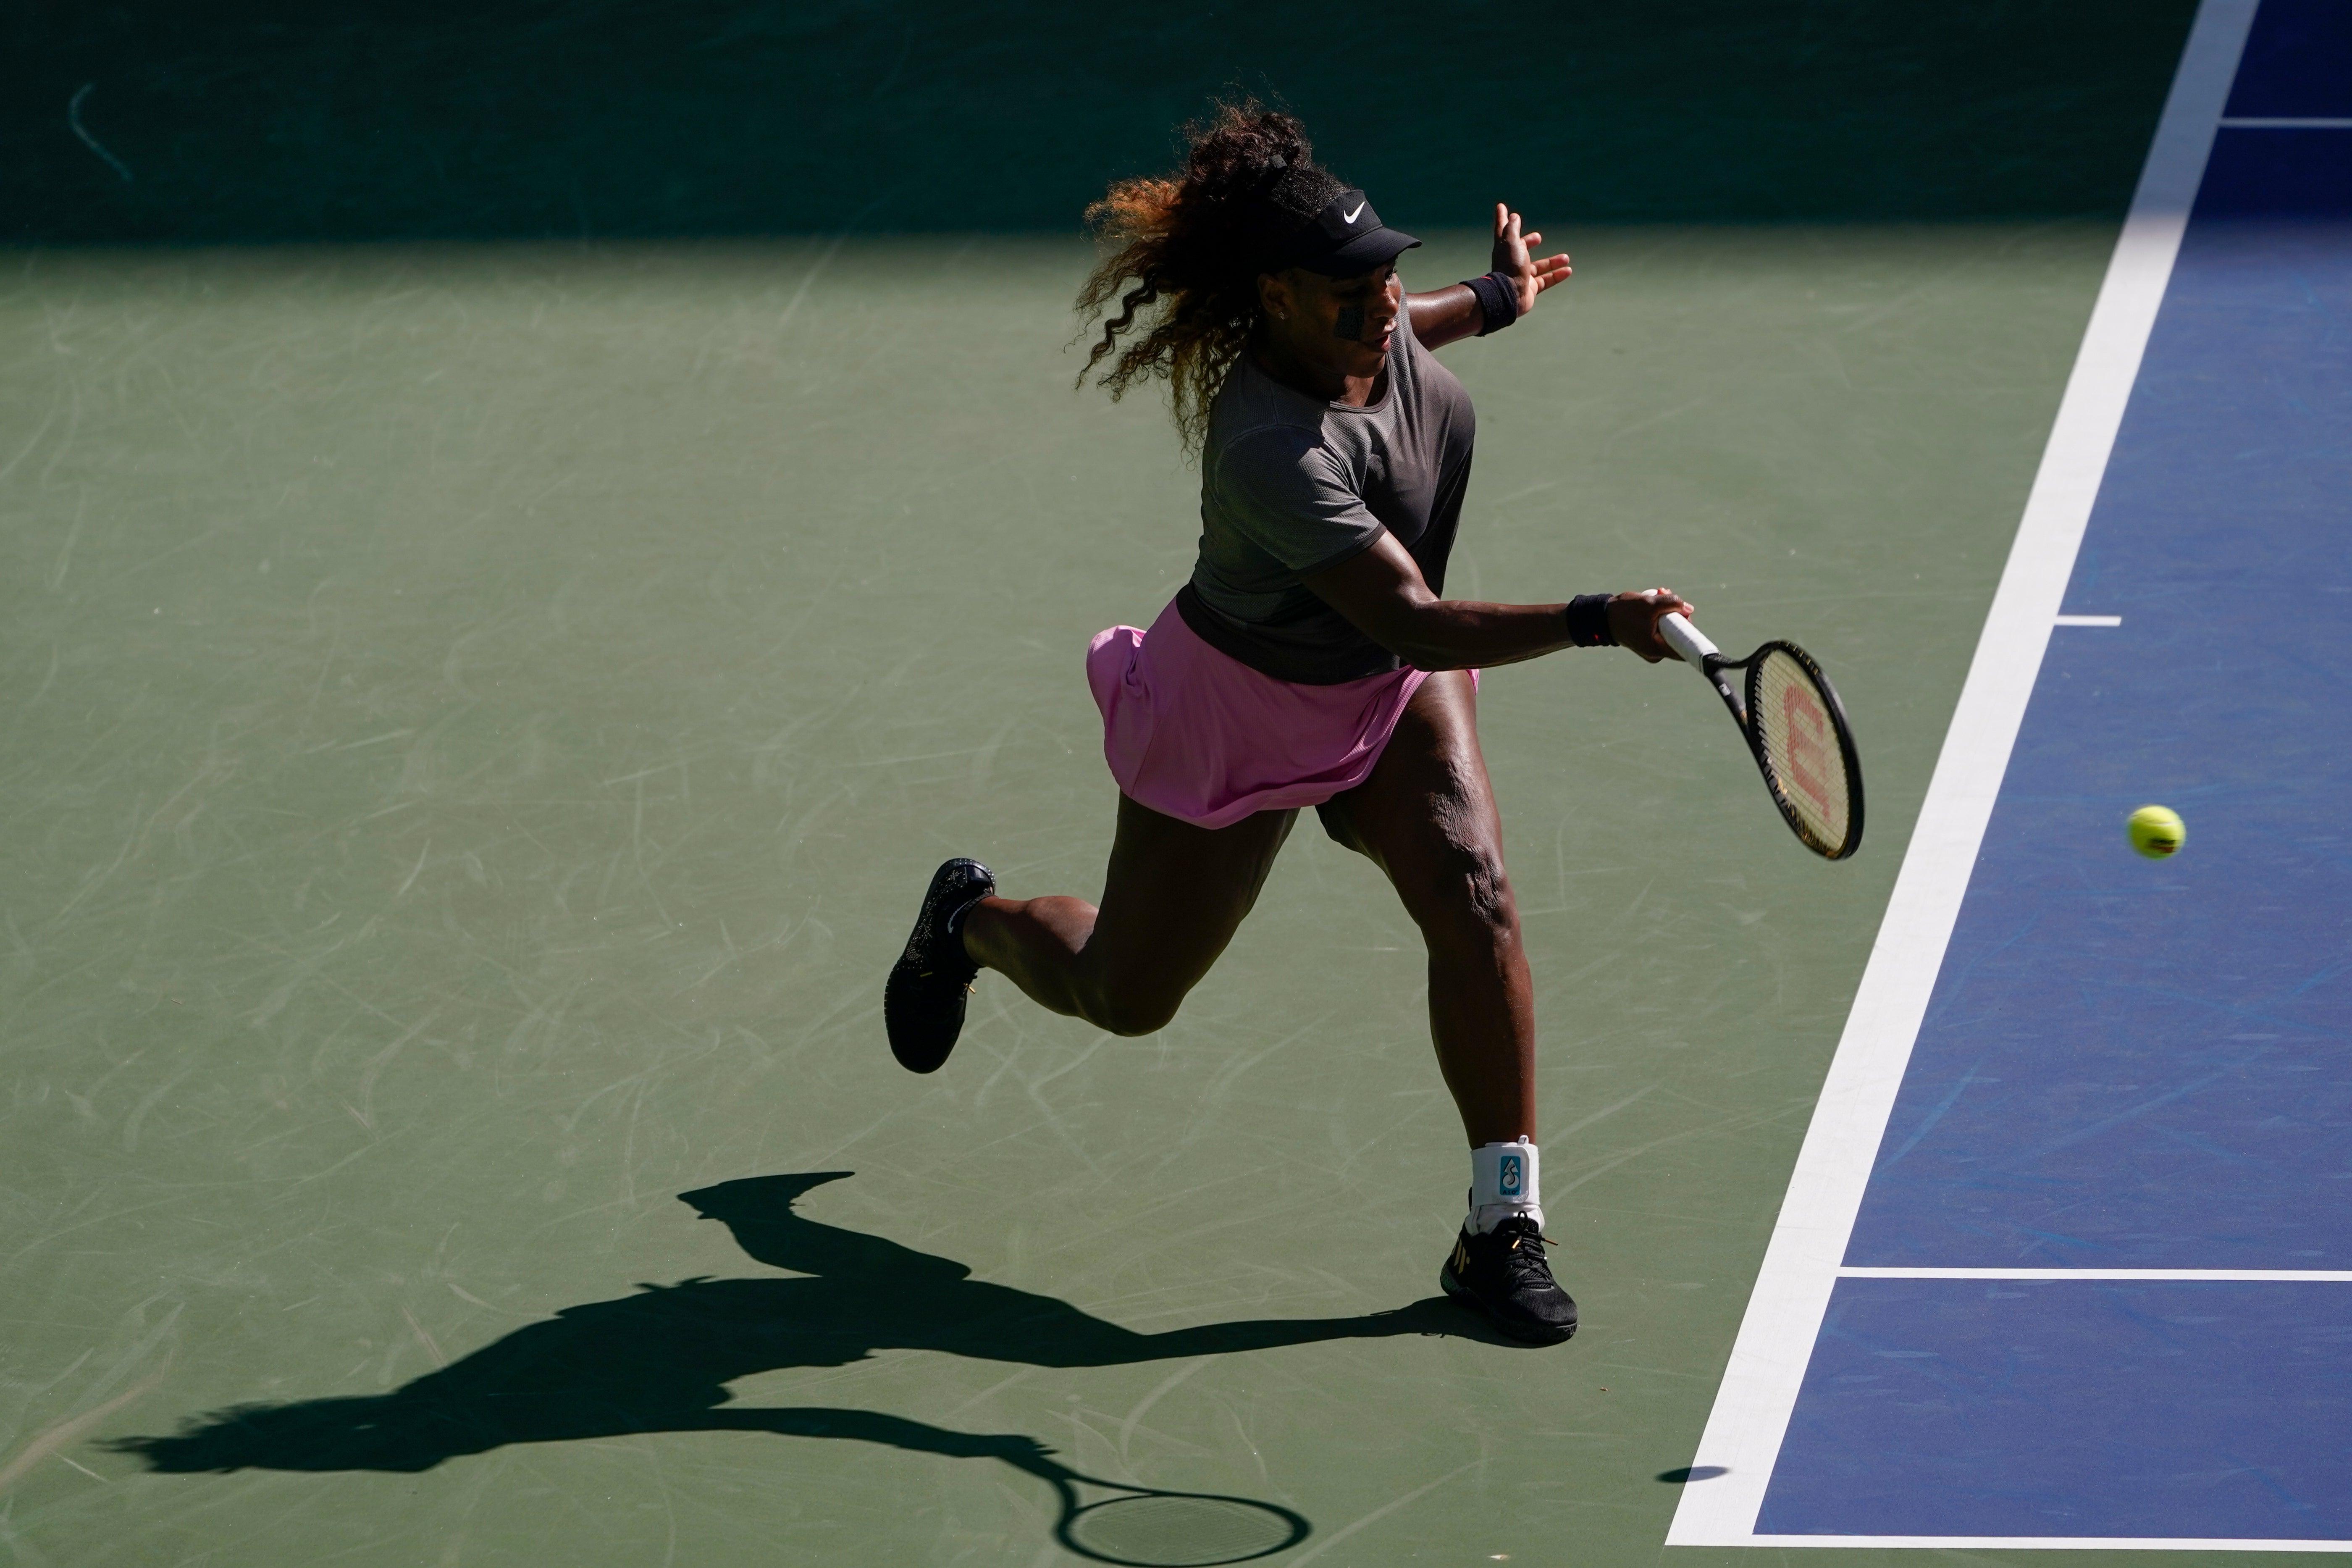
(478, 721)
(493, 643)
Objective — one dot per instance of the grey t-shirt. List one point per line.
(1291, 484)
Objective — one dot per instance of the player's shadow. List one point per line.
(660, 1361)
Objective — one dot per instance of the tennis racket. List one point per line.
(1797, 729)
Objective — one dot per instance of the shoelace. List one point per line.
(1521, 1259)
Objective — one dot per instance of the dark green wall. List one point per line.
(528, 118)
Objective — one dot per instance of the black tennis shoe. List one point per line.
(1504, 1273)
(923, 1003)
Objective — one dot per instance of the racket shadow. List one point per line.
(1143, 1527)
(660, 1360)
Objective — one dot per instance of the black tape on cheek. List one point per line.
(1349, 327)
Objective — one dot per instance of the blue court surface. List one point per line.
(2113, 1408)
(2133, 1069)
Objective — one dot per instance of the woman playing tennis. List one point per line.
(1310, 661)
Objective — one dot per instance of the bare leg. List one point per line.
(1172, 899)
(1427, 816)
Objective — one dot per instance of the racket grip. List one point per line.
(1688, 641)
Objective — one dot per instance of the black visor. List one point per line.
(1345, 239)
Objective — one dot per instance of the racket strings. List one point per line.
(1799, 740)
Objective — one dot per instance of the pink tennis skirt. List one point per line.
(1198, 735)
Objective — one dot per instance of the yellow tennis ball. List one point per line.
(2157, 831)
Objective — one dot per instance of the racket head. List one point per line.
(1804, 746)
(1179, 1530)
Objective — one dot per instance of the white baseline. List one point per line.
(1760, 1387)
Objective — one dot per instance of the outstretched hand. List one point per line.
(1513, 260)
(1634, 617)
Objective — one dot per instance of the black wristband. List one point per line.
(1587, 621)
(1499, 299)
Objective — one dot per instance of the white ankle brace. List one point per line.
(1504, 1181)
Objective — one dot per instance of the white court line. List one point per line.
(2288, 122)
(1750, 1418)
(2098, 1276)
(2087, 620)
(2054, 1543)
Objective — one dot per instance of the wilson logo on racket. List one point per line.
(1808, 730)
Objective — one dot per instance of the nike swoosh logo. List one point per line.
(1350, 216)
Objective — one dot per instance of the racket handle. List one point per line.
(1688, 641)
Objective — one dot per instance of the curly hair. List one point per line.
(1194, 243)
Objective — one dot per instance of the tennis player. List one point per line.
(1311, 659)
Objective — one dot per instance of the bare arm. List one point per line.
(1442, 316)
(1380, 591)
(1447, 315)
